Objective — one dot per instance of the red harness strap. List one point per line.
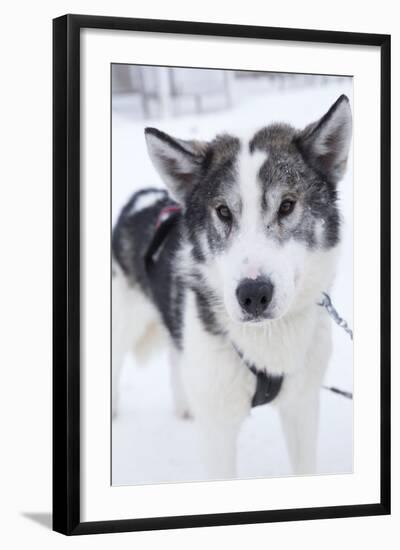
(166, 212)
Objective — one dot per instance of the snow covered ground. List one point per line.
(149, 444)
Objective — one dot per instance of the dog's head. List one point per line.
(255, 210)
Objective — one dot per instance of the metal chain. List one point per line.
(327, 304)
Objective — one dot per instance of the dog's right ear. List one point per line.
(177, 161)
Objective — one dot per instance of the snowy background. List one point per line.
(149, 444)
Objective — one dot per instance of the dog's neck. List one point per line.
(272, 344)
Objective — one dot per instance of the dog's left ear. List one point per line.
(325, 144)
(177, 161)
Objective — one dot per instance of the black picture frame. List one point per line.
(66, 273)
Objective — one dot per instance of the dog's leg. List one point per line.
(120, 331)
(181, 404)
(299, 402)
(218, 441)
(299, 419)
(219, 388)
(132, 314)
(219, 397)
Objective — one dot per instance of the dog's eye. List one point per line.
(224, 213)
(286, 207)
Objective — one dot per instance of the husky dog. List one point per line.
(232, 264)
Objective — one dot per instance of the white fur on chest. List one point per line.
(280, 346)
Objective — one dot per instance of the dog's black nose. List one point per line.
(254, 295)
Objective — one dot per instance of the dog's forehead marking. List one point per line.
(250, 189)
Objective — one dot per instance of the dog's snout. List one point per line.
(254, 295)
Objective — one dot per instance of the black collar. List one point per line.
(268, 386)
